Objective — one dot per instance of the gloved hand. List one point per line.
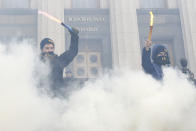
(148, 44)
(72, 30)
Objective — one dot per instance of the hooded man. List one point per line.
(160, 58)
(58, 63)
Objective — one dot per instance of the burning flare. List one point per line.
(56, 20)
(151, 25)
(151, 18)
(50, 16)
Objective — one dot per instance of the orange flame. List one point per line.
(151, 18)
(50, 16)
(151, 25)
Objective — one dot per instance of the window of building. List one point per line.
(16, 3)
(18, 25)
(152, 3)
(85, 3)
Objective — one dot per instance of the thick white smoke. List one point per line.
(133, 101)
(21, 109)
(122, 100)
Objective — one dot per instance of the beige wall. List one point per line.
(104, 3)
(0, 3)
(188, 18)
(172, 4)
(67, 4)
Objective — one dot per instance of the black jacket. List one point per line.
(58, 63)
(153, 67)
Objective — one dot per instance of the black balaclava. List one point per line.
(160, 55)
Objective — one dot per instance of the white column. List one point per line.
(172, 3)
(34, 4)
(68, 4)
(188, 19)
(49, 28)
(56, 31)
(104, 4)
(1, 4)
(125, 35)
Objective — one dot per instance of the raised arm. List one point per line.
(146, 58)
(67, 57)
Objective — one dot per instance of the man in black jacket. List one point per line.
(58, 63)
(160, 58)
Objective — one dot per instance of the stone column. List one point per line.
(104, 4)
(34, 4)
(1, 3)
(125, 35)
(188, 19)
(172, 4)
(68, 4)
(49, 28)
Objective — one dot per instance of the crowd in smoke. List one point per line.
(120, 100)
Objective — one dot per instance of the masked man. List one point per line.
(152, 63)
(58, 63)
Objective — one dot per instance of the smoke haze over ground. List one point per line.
(122, 100)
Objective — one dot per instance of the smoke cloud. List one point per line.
(121, 100)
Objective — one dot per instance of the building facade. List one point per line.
(112, 32)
